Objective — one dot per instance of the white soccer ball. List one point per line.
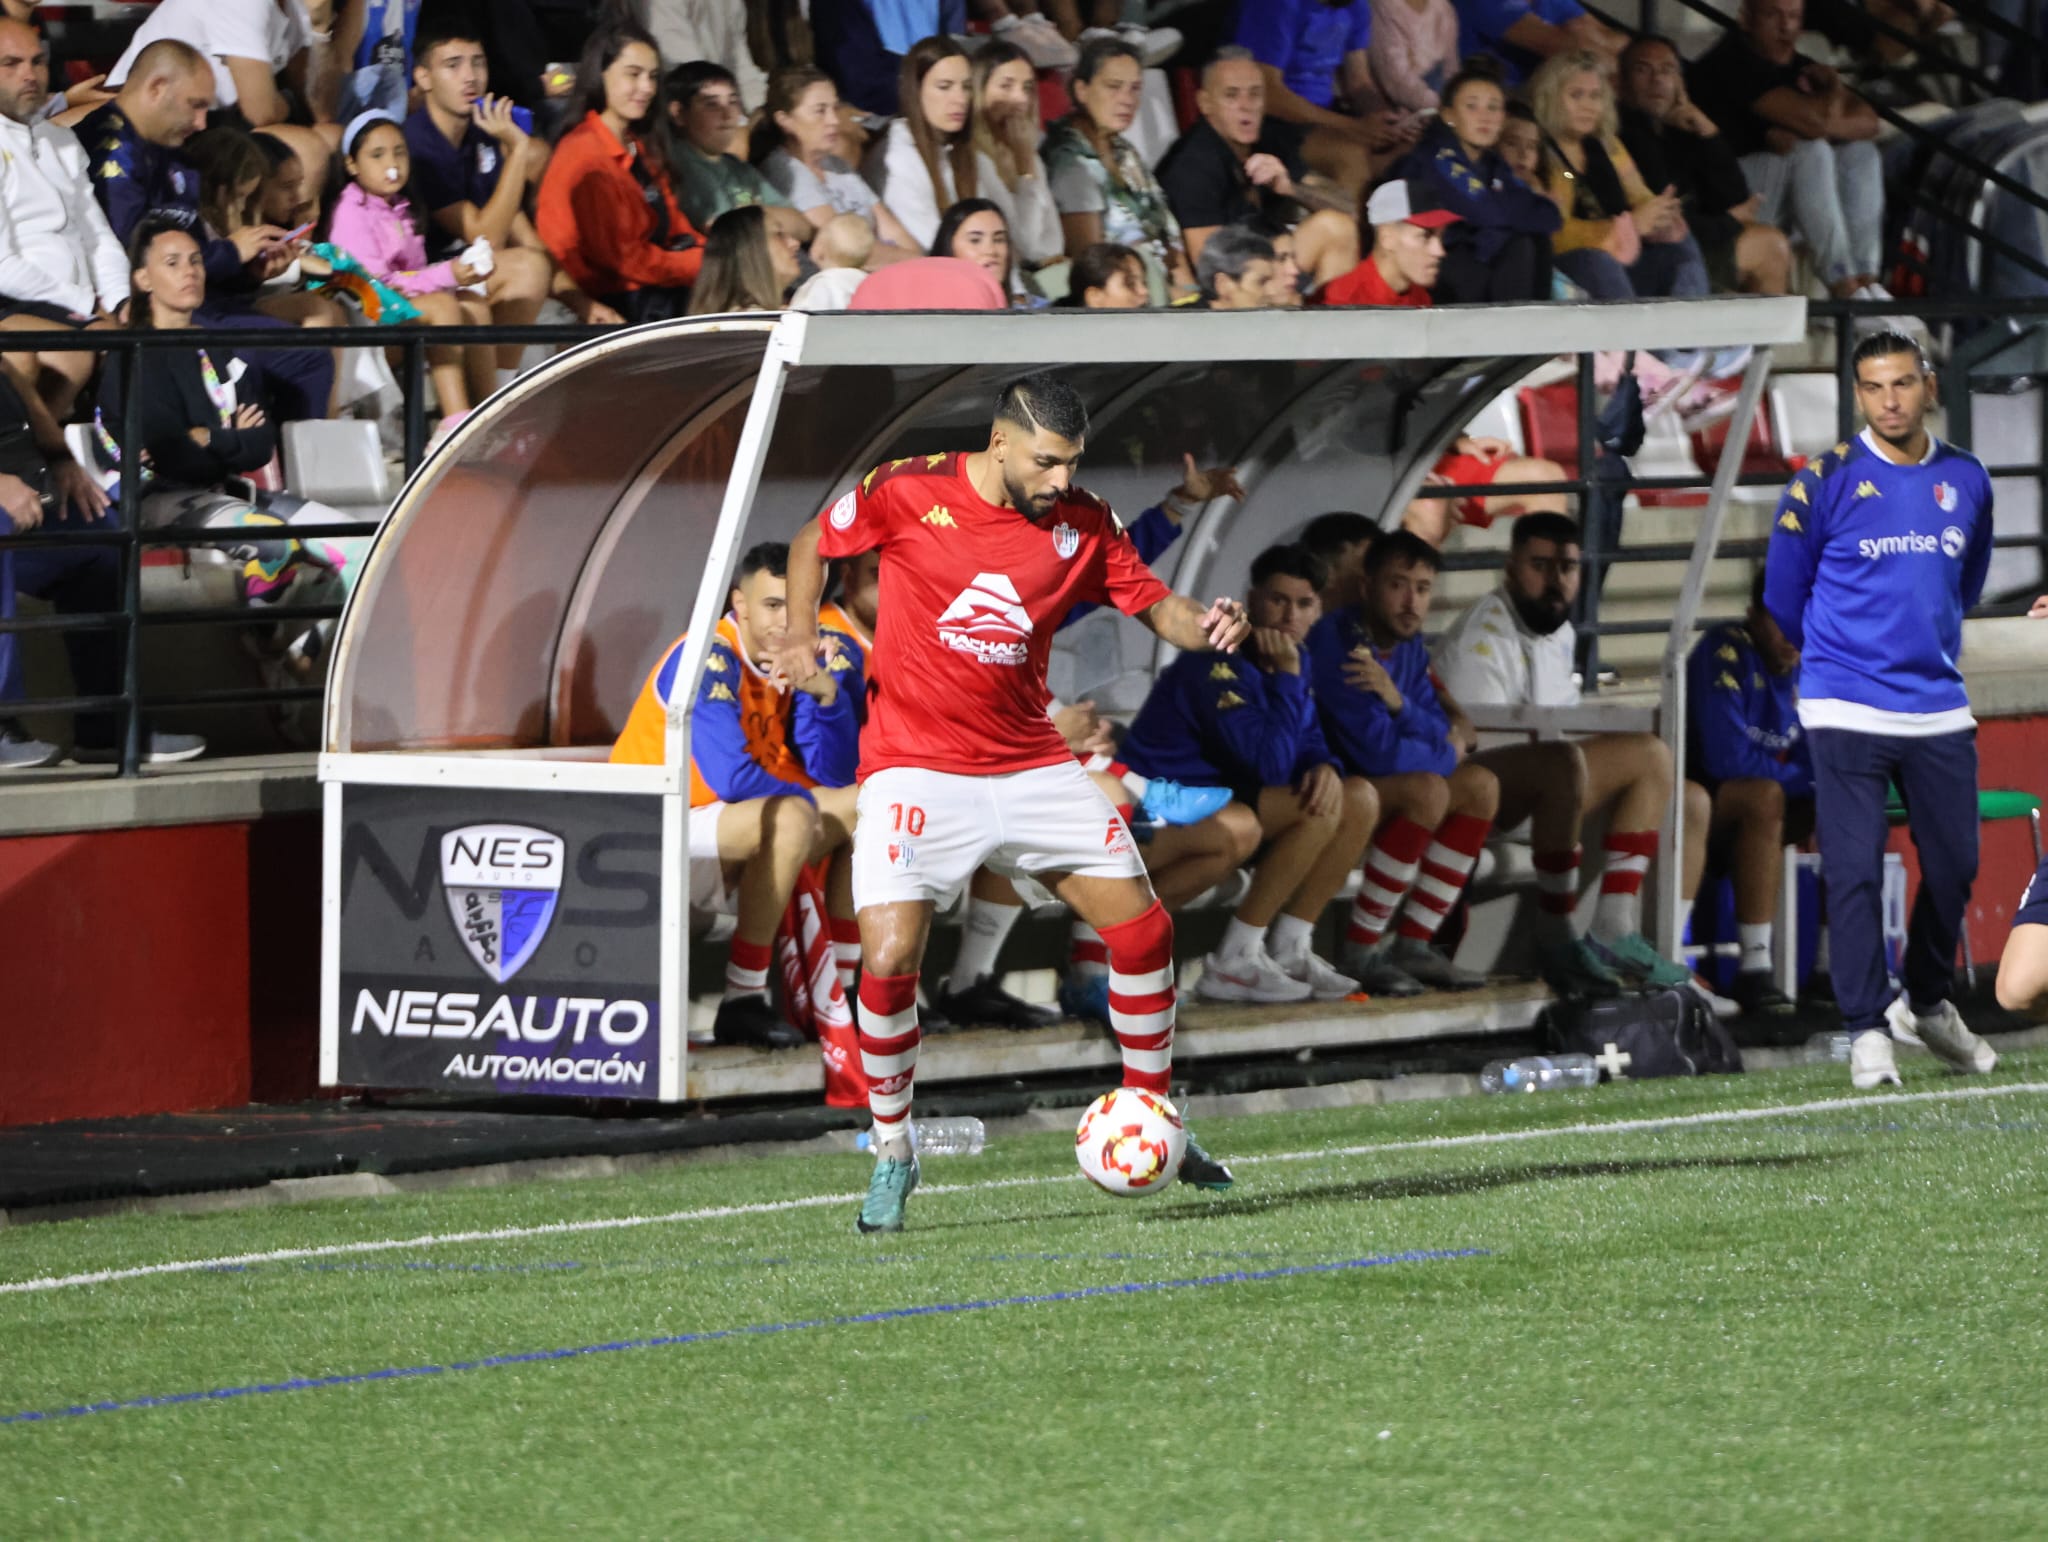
(1130, 1142)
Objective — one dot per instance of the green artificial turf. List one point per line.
(1821, 1323)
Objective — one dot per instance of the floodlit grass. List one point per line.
(1820, 1323)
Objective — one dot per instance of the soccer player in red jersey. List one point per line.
(983, 555)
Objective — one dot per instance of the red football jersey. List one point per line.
(971, 595)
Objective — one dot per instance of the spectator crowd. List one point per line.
(283, 164)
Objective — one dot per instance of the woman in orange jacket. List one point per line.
(607, 211)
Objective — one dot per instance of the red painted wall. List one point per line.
(124, 972)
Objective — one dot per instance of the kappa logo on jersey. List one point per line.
(1797, 491)
(720, 691)
(842, 513)
(502, 882)
(1066, 540)
(938, 514)
(988, 622)
(1867, 490)
(1221, 671)
(1790, 521)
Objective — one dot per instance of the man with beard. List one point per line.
(1512, 649)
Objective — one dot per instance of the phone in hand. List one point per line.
(293, 237)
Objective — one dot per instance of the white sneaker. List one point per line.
(1944, 1032)
(1154, 44)
(1870, 1061)
(1324, 983)
(1040, 40)
(1717, 1003)
(1249, 976)
(1900, 1016)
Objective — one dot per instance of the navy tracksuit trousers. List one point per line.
(1937, 776)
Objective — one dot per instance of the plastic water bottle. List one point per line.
(936, 1137)
(1825, 1047)
(1540, 1073)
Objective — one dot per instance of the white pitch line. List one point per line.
(812, 1201)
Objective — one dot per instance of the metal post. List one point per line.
(1592, 539)
(1845, 379)
(1678, 644)
(131, 565)
(415, 401)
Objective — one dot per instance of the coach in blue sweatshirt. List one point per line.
(1879, 548)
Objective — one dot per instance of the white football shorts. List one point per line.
(921, 834)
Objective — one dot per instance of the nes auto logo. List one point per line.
(502, 883)
(1953, 541)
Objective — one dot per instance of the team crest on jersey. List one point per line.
(1066, 540)
(841, 517)
(988, 622)
(502, 882)
(1953, 541)
(901, 855)
(1945, 497)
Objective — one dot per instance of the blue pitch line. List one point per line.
(676, 1340)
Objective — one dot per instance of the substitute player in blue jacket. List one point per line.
(1249, 724)
(1387, 720)
(1879, 548)
(1746, 749)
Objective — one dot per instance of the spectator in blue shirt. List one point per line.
(1387, 720)
(133, 146)
(473, 162)
(1248, 722)
(1746, 748)
(1523, 33)
(1319, 77)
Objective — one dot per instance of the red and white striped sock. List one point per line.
(846, 950)
(1557, 891)
(746, 968)
(1620, 909)
(1141, 997)
(887, 1031)
(1087, 956)
(1446, 868)
(1391, 863)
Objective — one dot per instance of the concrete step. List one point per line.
(1203, 1031)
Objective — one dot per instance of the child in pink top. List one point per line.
(373, 221)
(1414, 50)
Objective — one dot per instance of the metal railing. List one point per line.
(1596, 474)
(123, 526)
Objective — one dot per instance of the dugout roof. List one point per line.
(539, 561)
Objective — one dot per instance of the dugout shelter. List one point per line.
(503, 911)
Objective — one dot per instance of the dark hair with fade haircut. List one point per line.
(770, 557)
(1328, 534)
(1403, 546)
(1044, 401)
(1291, 559)
(440, 24)
(1545, 525)
(1882, 345)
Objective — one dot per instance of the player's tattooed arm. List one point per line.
(801, 656)
(1184, 623)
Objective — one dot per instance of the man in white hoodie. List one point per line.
(60, 266)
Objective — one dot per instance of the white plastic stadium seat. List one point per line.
(338, 462)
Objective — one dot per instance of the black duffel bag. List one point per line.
(1662, 1033)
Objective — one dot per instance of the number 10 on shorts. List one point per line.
(906, 819)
